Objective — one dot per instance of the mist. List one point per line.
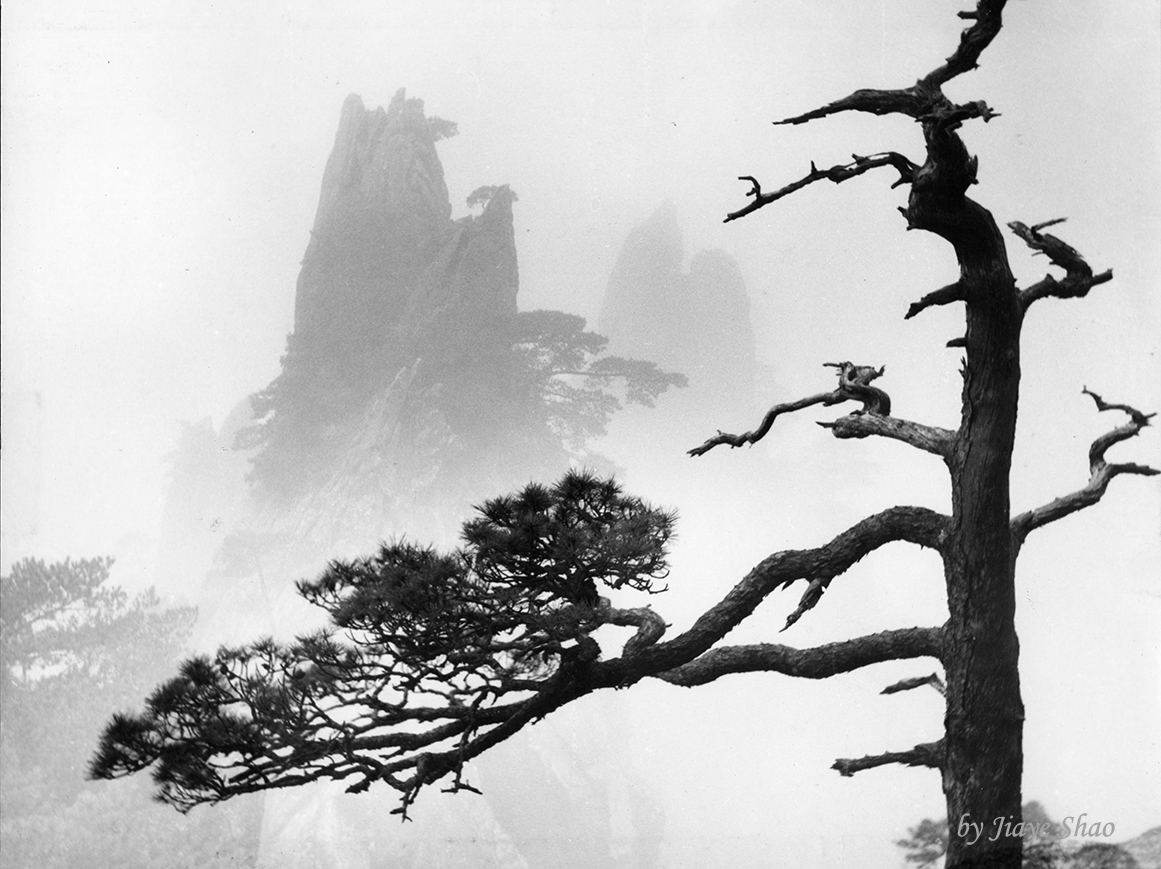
(161, 177)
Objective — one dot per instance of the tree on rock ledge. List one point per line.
(435, 658)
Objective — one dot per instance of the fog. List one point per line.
(161, 173)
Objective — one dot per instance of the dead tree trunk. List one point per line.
(983, 750)
(981, 753)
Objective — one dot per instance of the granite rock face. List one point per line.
(382, 212)
(395, 410)
(696, 322)
(388, 276)
(403, 328)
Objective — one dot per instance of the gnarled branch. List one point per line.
(854, 385)
(1101, 472)
(820, 662)
(650, 627)
(1137, 421)
(1078, 278)
(917, 525)
(439, 668)
(752, 437)
(972, 42)
(928, 754)
(921, 99)
(931, 439)
(907, 101)
(644, 657)
(837, 174)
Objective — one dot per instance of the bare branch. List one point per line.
(854, 385)
(873, 101)
(988, 19)
(820, 662)
(1079, 277)
(1100, 472)
(928, 754)
(909, 684)
(752, 437)
(931, 439)
(942, 296)
(925, 95)
(1139, 419)
(924, 101)
(837, 174)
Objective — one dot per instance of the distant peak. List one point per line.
(351, 117)
(666, 213)
(353, 103)
(404, 111)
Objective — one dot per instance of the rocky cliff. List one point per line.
(397, 407)
(388, 276)
(696, 322)
(401, 350)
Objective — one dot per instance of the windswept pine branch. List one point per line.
(444, 656)
(916, 525)
(820, 662)
(441, 655)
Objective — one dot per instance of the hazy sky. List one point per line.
(161, 167)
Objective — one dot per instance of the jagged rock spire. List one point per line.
(696, 322)
(382, 209)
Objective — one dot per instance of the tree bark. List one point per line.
(985, 715)
(983, 739)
